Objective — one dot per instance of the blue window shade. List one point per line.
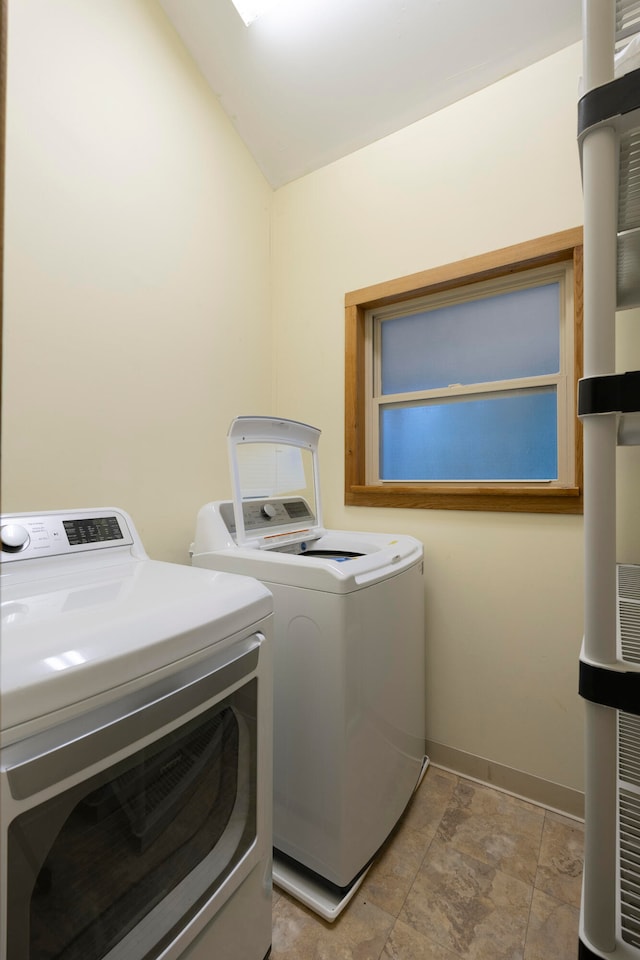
(508, 437)
(510, 335)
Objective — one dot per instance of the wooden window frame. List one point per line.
(503, 497)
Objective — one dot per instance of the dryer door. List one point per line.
(122, 838)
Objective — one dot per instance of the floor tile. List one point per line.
(389, 879)
(469, 874)
(406, 943)
(494, 827)
(561, 859)
(553, 929)
(359, 933)
(394, 870)
(430, 802)
(468, 906)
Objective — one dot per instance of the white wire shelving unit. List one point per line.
(609, 406)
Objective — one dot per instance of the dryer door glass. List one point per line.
(117, 865)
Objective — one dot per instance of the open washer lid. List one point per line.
(272, 459)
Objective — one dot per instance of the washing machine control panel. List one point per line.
(267, 513)
(27, 536)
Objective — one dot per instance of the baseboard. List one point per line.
(547, 794)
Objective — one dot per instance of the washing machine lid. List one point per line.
(70, 638)
(338, 561)
(275, 477)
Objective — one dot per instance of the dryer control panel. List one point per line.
(28, 536)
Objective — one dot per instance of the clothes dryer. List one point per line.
(135, 750)
(349, 659)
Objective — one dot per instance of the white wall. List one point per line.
(504, 592)
(137, 284)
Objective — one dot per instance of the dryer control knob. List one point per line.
(269, 511)
(13, 538)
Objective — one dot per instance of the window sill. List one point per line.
(518, 498)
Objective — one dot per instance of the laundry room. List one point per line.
(157, 285)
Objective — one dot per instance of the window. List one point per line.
(461, 384)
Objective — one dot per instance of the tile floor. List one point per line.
(470, 874)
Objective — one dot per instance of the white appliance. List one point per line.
(349, 659)
(135, 750)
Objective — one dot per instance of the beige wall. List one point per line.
(628, 458)
(136, 315)
(137, 324)
(504, 593)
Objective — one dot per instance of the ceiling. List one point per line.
(315, 80)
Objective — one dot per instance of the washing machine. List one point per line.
(349, 659)
(135, 749)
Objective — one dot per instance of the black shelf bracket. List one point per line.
(610, 688)
(608, 101)
(616, 393)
